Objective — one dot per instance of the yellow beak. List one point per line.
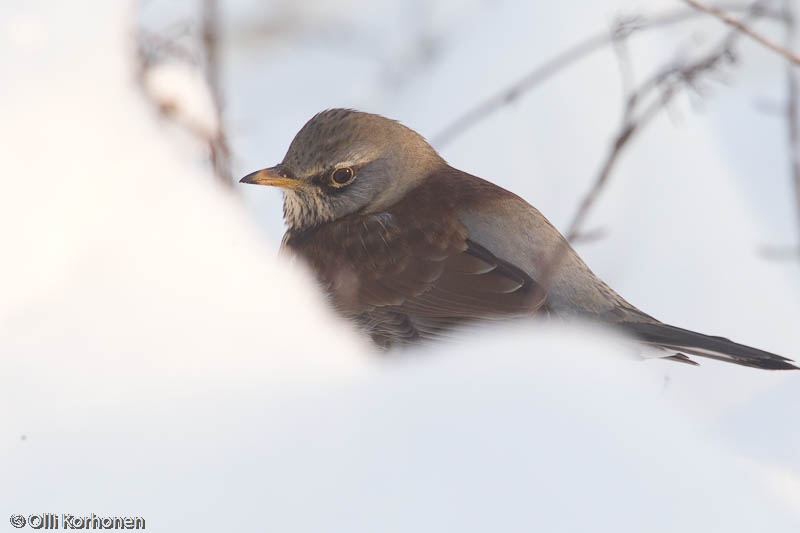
(272, 177)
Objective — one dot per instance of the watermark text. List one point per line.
(71, 521)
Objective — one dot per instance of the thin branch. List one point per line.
(627, 131)
(624, 27)
(518, 88)
(668, 82)
(658, 90)
(742, 27)
(201, 52)
(793, 106)
(622, 53)
(218, 143)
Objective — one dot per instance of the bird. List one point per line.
(410, 248)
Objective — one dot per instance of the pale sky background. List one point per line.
(160, 361)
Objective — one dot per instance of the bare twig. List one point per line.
(744, 28)
(641, 107)
(153, 48)
(218, 143)
(635, 116)
(518, 88)
(626, 132)
(620, 45)
(589, 236)
(793, 106)
(624, 27)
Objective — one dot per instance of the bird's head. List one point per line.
(343, 162)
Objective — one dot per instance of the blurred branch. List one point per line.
(793, 107)
(510, 94)
(791, 111)
(742, 27)
(154, 48)
(219, 150)
(641, 106)
(637, 113)
(153, 44)
(779, 253)
(624, 27)
(619, 39)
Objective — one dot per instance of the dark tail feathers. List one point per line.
(683, 340)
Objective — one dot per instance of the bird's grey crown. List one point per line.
(337, 136)
(388, 159)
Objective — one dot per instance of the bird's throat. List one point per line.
(303, 210)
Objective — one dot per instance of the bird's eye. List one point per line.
(342, 176)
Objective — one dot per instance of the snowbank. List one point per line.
(157, 360)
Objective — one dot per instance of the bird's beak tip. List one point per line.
(250, 178)
(272, 177)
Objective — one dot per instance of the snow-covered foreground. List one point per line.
(513, 432)
(157, 360)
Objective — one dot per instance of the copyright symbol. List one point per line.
(17, 520)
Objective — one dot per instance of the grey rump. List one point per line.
(410, 247)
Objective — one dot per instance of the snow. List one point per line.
(159, 360)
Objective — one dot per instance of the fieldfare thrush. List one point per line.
(409, 247)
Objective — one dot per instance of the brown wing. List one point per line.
(407, 276)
